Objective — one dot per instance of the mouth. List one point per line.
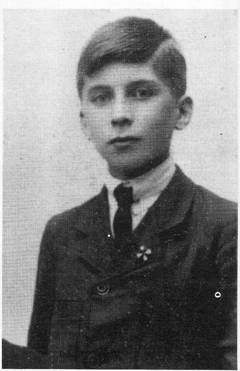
(123, 140)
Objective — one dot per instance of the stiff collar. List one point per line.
(147, 185)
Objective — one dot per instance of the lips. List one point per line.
(127, 139)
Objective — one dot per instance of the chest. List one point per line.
(106, 301)
(174, 266)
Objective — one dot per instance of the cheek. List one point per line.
(163, 117)
(158, 124)
(155, 111)
(91, 119)
(98, 131)
(95, 117)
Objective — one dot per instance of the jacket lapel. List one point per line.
(93, 241)
(91, 238)
(165, 219)
(171, 207)
(174, 202)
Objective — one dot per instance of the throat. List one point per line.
(126, 173)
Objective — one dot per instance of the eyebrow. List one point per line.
(132, 85)
(148, 83)
(96, 88)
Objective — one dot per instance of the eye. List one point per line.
(142, 93)
(100, 99)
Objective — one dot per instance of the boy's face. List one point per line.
(129, 114)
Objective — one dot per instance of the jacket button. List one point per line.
(92, 359)
(103, 290)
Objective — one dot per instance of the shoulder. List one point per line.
(205, 206)
(213, 206)
(63, 222)
(213, 221)
(214, 217)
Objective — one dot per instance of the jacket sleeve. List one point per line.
(227, 269)
(44, 297)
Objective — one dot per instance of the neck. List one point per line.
(128, 174)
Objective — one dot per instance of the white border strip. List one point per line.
(124, 4)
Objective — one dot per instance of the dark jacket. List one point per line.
(95, 308)
(16, 356)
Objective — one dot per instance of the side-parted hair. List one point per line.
(134, 40)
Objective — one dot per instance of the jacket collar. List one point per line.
(94, 215)
(174, 203)
(168, 211)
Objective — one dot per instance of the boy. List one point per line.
(143, 275)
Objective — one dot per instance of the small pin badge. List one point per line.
(144, 253)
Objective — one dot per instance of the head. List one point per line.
(132, 84)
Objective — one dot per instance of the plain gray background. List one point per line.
(48, 164)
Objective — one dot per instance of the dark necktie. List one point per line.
(122, 223)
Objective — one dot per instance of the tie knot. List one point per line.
(123, 195)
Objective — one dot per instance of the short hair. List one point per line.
(134, 40)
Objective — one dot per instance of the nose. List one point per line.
(121, 112)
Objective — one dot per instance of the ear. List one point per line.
(185, 107)
(84, 125)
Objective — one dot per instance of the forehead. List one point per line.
(121, 74)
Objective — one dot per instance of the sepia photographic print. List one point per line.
(119, 189)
